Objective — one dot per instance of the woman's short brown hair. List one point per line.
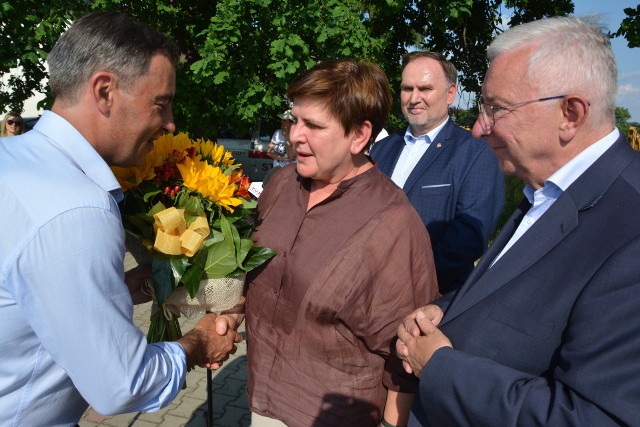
(352, 92)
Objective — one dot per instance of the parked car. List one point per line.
(252, 155)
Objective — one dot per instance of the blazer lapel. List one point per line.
(554, 225)
(544, 235)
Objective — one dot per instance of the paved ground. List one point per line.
(189, 408)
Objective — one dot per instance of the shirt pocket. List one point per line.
(435, 189)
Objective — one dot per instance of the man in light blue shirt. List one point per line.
(67, 338)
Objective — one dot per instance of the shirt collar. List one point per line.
(409, 138)
(567, 174)
(67, 138)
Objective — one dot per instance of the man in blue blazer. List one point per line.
(452, 179)
(546, 330)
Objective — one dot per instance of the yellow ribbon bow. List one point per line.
(173, 237)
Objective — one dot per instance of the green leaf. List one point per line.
(150, 194)
(231, 239)
(220, 77)
(162, 278)
(249, 204)
(191, 279)
(179, 265)
(220, 261)
(158, 207)
(214, 237)
(257, 256)
(139, 222)
(245, 247)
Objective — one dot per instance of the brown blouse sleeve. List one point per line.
(402, 277)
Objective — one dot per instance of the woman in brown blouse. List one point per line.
(353, 257)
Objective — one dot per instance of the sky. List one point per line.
(628, 60)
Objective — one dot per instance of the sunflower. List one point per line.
(214, 154)
(165, 148)
(209, 181)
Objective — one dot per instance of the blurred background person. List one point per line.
(280, 148)
(12, 124)
(353, 254)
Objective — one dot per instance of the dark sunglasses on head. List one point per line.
(14, 122)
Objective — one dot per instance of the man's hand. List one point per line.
(431, 311)
(419, 337)
(231, 319)
(135, 279)
(205, 347)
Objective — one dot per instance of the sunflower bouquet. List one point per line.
(187, 209)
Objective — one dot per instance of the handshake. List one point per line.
(211, 340)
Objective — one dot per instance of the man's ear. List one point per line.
(103, 85)
(575, 110)
(451, 94)
(361, 137)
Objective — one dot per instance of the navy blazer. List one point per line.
(550, 335)
(458, 190)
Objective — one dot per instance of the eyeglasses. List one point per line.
(14, 122)
(488, 112)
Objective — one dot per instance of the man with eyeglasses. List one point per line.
(451, 178)
(546, 330)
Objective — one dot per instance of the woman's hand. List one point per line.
(138, 280)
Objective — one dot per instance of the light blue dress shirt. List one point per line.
(543, 198)
(414, 149)
(67, 336)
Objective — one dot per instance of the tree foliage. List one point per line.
(252, 49)
(630, 27)
(238, 56)
(28, 31)
(623, 116)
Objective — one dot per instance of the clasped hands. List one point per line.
(212, 340)
(419, 337)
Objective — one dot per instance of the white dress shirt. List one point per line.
(67, 336)
(542, 198)
(414, 149)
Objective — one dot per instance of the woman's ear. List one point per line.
(361, 137)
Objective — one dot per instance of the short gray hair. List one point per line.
(572, 56)
(104, 41)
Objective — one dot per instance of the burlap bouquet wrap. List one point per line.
(214, 295)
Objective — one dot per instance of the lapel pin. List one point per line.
(438, 145)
